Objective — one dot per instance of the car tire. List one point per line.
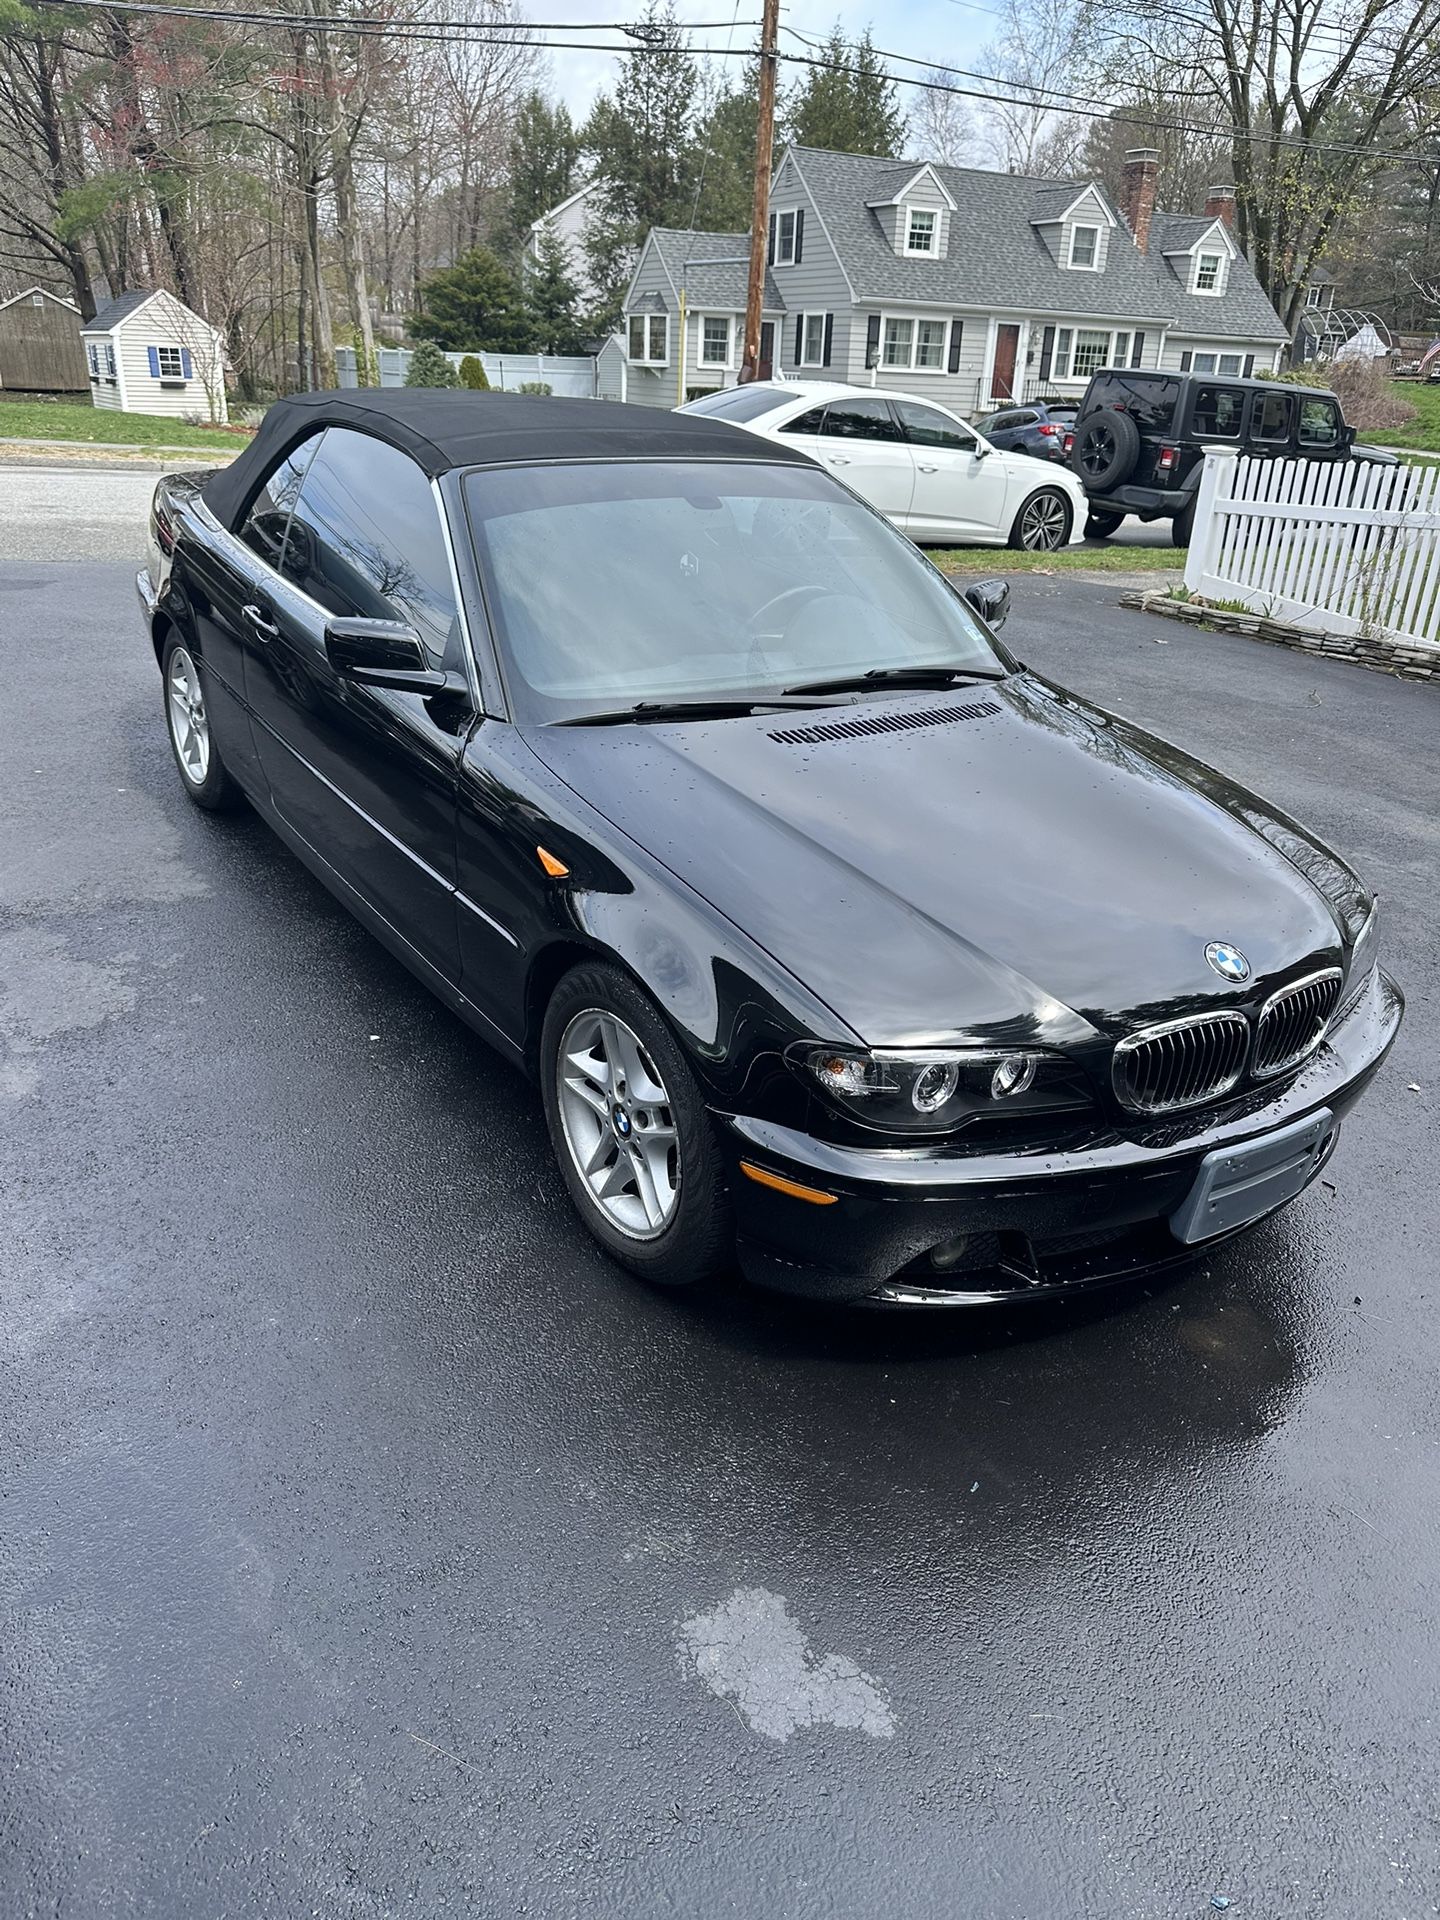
(1043, 523)
(1100, 525)
(1182, 527)
(667, 1213)
(198, 760)
(1106, 449)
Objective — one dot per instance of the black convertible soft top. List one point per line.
(442, 429)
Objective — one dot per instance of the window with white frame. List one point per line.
(650, 339)
(785, 224)
(812, 340)
(1085, 247)
(101, 357)
(1209, 273)
(1081, 351)
(920, 226)
(913, 345)
(715, 340)
(1229, 365)
(170, 363)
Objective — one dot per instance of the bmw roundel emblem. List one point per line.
(1227, 961)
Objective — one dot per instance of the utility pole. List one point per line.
(760, 215)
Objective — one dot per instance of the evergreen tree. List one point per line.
(544, 166)
(552, 299)
(429, 368)
(472, 305)
(725, 155)
(642, 150)
(850, 106)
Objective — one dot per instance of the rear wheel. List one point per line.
(1100, 526)
(1043, 523)
(203, 772)
(1182, 527)
(635, 1145)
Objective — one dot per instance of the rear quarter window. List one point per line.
(1218, 412)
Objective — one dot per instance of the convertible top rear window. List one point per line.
(740, 403)
(616, 583)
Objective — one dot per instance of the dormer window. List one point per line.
(1085, 247)
(1209, 272)
(787, 233)
(920, 226)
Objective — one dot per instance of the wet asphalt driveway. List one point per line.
(369, 1546)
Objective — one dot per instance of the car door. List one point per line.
(960, 482)
(861, 442)
(366, 775)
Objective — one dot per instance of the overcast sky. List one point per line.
(948, 31)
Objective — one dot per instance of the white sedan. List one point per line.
(924, 468)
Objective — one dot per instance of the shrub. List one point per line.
(429, 368)
(534, 386)
(473, 375)
(1367, 395)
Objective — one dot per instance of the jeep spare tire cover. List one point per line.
(1106, 447)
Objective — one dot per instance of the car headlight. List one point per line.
(935, 1092)
(1364, 957)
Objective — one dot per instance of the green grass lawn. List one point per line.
(1423, 431)
(77, 420)
(1097, 559)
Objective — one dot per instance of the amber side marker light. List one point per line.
(556, 869)
(763, 1177)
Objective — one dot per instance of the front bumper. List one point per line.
(1037, 1222)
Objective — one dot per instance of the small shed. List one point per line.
(149, 353)
(40, 348)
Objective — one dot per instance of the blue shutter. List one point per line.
(154, 353)
(187, 365)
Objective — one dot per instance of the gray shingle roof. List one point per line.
(720, 287)
(1178, 229)
(997, 261)
(116, 310)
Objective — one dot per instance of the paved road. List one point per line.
(372, 1547)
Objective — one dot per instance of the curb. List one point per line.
(1401, 659)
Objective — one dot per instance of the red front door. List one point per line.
(1007, 346)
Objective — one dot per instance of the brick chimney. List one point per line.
(1137, 195)
(1220, 204)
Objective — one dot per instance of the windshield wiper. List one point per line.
(936, 676)
(685, 710)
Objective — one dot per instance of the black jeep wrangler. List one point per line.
(1140, 438)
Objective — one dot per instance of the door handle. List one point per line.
(929, 469)
(261, 623)
(839, 459)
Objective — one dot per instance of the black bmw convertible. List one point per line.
(837, 940)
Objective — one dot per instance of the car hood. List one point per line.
(1003, 861)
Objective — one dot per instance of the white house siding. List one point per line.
(1088, 211)
(959, 390)
(161, 321)
(611, 373)
(816, 285)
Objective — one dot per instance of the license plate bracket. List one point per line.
(1238, 1184)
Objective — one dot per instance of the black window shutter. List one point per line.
(1047, 353)
(872, 341)
(829, 336)
(799, 233)
(1137, 347)
(799, 336)
(1248, 369)
(770, 257)
(1184, 363)
(957, 334)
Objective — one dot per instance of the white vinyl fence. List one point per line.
(1345, 545)
(573, 375)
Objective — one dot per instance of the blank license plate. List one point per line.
(1237, 1184)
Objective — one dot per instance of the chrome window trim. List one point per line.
(467, 644)
(1132, 1041)
(1280, 993)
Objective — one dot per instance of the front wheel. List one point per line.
(197, 756)
(630, 1131)
(1043, 523)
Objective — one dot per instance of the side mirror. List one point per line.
(385, 653)
(991, 600)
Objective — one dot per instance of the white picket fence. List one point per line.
(572, 374)
(1345, 546)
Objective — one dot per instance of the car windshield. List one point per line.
(740, 403)
(612, 584)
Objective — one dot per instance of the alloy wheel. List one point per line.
(1042, 524)
(185, 709)
(618, 1124)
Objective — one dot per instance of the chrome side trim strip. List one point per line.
(504, 932)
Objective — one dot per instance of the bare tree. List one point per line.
(1039, 59)
(942, 126)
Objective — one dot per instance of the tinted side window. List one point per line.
(1218, 411)
(365, 539)
(810, 422)
(264, 528)
(1319, 423)
(1270, 419)
(859, 420)
(924, 427)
